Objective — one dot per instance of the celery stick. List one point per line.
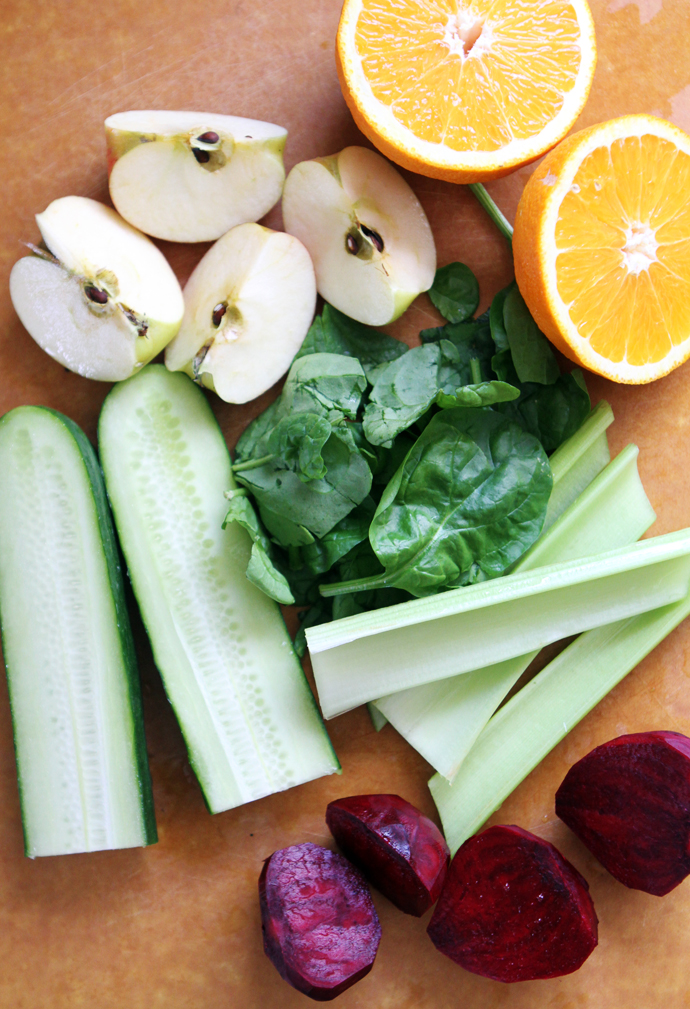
(443, 719)
(578, 460)
(360, 658)
(378, 719)
(542, 713)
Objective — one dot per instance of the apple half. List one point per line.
(100, 298)
(366, 231)
(248, 306)
(191, 176)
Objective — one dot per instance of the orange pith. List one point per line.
(605, 265)
(517, 70)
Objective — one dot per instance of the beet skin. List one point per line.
(513, 909)
(400, 851)
(320, 926)
(629, 802)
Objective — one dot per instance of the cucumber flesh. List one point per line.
(245, 709)
(74, 691)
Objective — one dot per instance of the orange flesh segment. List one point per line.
(510, 85)
(625, 227)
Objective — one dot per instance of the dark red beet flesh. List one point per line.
(513, 909)
(400, 851)
(629, 802)
(320, 926)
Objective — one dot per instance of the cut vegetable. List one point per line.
(84, 781)
(244, 706)
(363, 657)
(442, 720)
(533, 721)
(628, 800)
(513, 909)
(321, 930)
(400, 851)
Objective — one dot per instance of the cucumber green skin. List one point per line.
(205, 417)
(124, 629)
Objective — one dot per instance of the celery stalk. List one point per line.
(443, 719)
(578, 460)
(360, 658)
(522, 732)
(378, 719)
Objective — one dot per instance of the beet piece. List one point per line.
(321, 930)
(513, 909)
(629, 802)
(400, 851)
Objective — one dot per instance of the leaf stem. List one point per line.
(252, 463)
(499, 219)
(355, 585)
(476, 369)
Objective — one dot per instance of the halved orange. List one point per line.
(602, 248)
(465, 90)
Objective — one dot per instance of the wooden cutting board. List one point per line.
(177, 925)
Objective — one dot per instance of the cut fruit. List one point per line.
(366, 231)
(602, 248)
(102, 300)
(84, 780)
(191, 176)
(248, 307)
(467, 91)
(244, 706)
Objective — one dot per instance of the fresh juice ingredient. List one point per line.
(366, 231)
(627, 800)
(400, 851)
(191, 176)
(84, 780)
(247, 308)
(100, 298)
(513, 909)
(601, 245)
(320, 927)
(465, 91)
(248, 717)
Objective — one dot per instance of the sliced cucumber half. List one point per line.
(245, 709)
(74, 690)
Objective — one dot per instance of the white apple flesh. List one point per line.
(365, 230)
(191, 176)
(103, 300)
(248, 306)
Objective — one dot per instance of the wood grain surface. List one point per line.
(177, 925)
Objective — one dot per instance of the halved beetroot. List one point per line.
(400, 851)
(320, 926)
(629, 802)
(513, 909)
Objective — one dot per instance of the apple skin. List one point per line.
(161, 184)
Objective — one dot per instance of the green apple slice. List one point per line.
(366, 231)
(248, 306)
(102, 299)
(191, 176)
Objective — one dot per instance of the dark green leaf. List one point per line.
(335, 333)
(322, 554)
(532, 354)
(455, 292)
(467, 502)
(471, 341)
(362, 562)
(404, 390)
(552, 413)
(260, 569)
(298, 441)
(319, 613)
(498, 329)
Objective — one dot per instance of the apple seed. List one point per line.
(373, 237)
(201, 156)
(352, 245)
(208, 138)
(95, 294)
(218, 313)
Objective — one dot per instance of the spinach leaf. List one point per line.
(532, 354)
(298, 440)
(498, 329)
(260, 570)
(455, 292)
(335, 333)
(362, 562)
(552, 413)
(322, 554)
(467, 502)
(404, 390)
(481, 394)
(472, 341)
(321, 612)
